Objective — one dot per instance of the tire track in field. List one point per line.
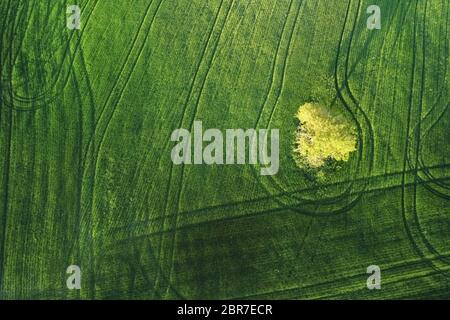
(191, 90)
(439, 189)
(179, 192)
(144, 159)
(417, 134)
(102, 125)
(372, 35)
(74, 249)
(397, 267)
(24, 31)
(48, 96)
(92, 148)
(2, 31)
(254, 214)
(138, 175)
(134, 245)
(169, 184)
(326, 212)
(345, 83)
(279, 89)
(7, 174)
(214, 51)
(429, 124)
(189, 97)
(84, 80)
(417, 139)
(287, 194)
(174, 220)
(80, 36)
(274, 66)
(318, 203)
(279, 69)
(6, 179)
(424, 245)
(348, 99)
(408, 125)
(67, 47)
(234, 203)
(311, 189)
(339, 87)
(134, 62)
(4, 23)
(33, 99)
(22, 40)
(397, 41)
(166, 202)
(16, 16)
(190, 128)
(147, 280)
(346, 96)
(401, 278)
(122, 70)
(19, 12)
(43, 95)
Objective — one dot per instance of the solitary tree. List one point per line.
(323, 134)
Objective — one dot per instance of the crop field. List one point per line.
(87, 178)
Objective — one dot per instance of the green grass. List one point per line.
(86, 176)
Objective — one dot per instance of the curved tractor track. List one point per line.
(62, 65)
(417, 233)
(352, 193)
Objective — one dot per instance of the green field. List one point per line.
(86, 176)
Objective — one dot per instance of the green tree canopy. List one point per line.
(323, 134)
